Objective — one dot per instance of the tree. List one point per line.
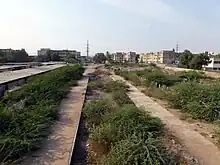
(15, 56)
(199, 60)
(185, 58)
(99, 58)
(2, 57)
(70, 60)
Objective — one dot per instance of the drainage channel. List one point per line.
(80, 152)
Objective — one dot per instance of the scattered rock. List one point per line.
(199, 125)
(212, 136)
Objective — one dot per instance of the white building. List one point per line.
(214, 65)
(130, 57)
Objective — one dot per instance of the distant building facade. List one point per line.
(162, 57)
(61, 53)
(118, 56)
(130, 57)
(147, 58)
(214, 65)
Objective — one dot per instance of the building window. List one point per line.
(216, 62)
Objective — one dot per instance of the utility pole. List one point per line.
(177, 47)
(87, 48)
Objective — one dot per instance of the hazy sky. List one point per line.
(114, 25)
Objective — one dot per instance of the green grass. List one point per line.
(24, 127)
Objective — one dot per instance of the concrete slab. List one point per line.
(14, 75)
(4, 67)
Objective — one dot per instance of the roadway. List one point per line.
(19, 74)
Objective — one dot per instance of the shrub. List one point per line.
(95, 110)
(23, 127)
(191, 75)
(131, 136)
(136, 151)
(160, 78)
(125, 122)
(115, 86)
(200, 100)
(121, 97)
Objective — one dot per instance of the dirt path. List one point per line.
(197, 145)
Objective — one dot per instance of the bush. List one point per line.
(150, 77)
(127, 121)
(191, 75)
(160, 78)
(28, 113)
(200, 100)
(121, 97)
(95, 110)
(136, 151)
(132, 137)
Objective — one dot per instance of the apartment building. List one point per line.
(130, 57)
(118, 57)
(167, 57)
(214, 65)
(147, 58)
(162, 57)
(61, 53)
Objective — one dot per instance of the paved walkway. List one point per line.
(59, 146)
(197, 145)
(18, 74)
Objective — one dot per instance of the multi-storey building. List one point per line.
(146, 58)
(61, 53)
(118, 57)
(162, 57)
(214, 65)
(130, 57)
(166, 57)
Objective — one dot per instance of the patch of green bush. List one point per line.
(135, 150)
(109, 86)
(27, 114)
(132, 137)
(160, 78)
(126, 121)
(150, 77)
(200, 100)
(191, 75)
(95, 110)
(184, 92)
(121, 97)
